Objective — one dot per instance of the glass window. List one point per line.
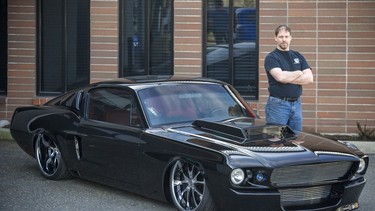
(71, 100)
(3, 46)
(146, 36)
(64, 45)
(231, 44)
(169, 104)
(113, 106)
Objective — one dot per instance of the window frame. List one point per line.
(4, 51)
(134, 109)
(65, 43)
(231, 48)
(147, 34)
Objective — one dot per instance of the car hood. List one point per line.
(252, 137)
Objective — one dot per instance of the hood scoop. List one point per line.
(241, 133)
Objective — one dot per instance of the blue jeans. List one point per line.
(279, 111)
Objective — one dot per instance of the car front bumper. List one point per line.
(345, 197)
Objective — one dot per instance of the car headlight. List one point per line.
(348, 144)
(237, 176)
(362, 166)
(260, 177)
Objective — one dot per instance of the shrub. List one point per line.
(365, 133)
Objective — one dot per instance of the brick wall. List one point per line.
(21, 55)
(188, 37)
(104, 40)
(336, 37)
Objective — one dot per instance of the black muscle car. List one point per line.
(192, 142)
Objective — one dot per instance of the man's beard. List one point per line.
(284, 46)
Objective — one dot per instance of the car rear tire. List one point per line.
(49, 158)
(188, 188)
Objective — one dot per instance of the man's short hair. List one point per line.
(282, 27)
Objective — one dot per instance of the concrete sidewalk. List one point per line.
(367, 147)
(5, 134)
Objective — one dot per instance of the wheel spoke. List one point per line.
(197, 194)
(196, 175)
(46, 143)
(196, 200)
(184, 173)
(199, 182)
(48, 164)
(200, 194)
(50, 152)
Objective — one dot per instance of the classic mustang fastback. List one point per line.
(193, 142)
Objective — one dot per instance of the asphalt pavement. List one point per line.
(23, 188)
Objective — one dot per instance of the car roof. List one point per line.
(133, 80)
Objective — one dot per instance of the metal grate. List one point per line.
(309, 174)
(304, 196)
(277, 149)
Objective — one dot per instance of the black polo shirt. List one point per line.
(286, 61)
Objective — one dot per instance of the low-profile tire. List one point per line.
(188, 188)
(49, 158)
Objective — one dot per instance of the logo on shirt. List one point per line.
(296, 61)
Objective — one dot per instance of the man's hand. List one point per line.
(292, 77)
(306, 78)
(285, 76)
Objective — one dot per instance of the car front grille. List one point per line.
(306, 175)
(304, 196)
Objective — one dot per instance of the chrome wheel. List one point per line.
(188, 186)
(49, 158)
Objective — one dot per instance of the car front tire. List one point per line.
(188, 188)
(49, 158)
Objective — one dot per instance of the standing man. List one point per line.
(287, 71)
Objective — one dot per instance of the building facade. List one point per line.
(49, 48)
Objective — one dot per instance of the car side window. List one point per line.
(73, 100)
(113, 105)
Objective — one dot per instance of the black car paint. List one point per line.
(139, 159)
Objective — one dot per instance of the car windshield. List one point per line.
(178, 103)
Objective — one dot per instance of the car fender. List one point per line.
(28, 122)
